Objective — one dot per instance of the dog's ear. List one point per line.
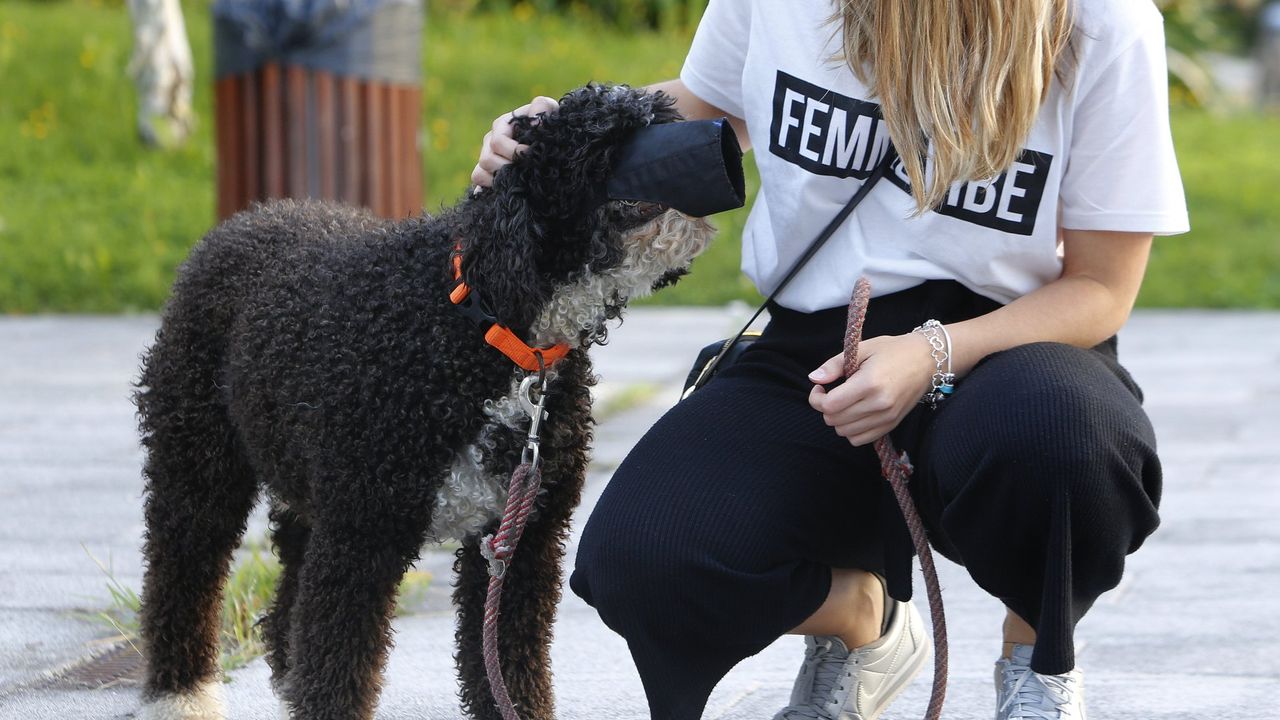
(499, 239)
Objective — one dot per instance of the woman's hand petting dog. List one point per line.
(500, 147)
(894, 374)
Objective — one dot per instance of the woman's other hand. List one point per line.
(500, 147)
(896, 371)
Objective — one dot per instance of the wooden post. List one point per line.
(273, 146)
(296, 121)
(391, 167)
(372, 110)
(326, 135)
(252, 168)
(411, 167)
(230, 133)
(351, 134)
(292, 132)
(335, 119)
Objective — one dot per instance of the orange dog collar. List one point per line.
(496, 335)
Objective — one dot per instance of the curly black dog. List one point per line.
(312, 352)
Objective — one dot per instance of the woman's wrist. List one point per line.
(942, 377)
(916, 364)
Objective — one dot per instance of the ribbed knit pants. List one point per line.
(719, 531)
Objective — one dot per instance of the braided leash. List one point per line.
(896, 468)
(499, 548)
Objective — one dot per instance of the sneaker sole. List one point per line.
(912, 668)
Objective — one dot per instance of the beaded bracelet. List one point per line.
(943, 382)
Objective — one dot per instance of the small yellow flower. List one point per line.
(89, 51)
(40, 121)
(523, 12)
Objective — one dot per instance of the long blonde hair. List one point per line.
(963, 79)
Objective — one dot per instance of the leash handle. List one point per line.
(896, 468)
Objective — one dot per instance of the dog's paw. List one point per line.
(204, 703)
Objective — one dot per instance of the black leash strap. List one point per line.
(882, 168)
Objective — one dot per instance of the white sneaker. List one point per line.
(836, 683)
(1022, 694)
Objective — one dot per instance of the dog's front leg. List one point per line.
(529, 599)
(532, 585)
(340, 624)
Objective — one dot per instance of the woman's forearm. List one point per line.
(1072, 310)
(1088, 304)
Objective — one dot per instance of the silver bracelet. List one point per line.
(943, 382)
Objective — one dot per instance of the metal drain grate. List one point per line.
(120, 665)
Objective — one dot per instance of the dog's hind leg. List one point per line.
(199, 492)
(289, 534)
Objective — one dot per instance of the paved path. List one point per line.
(1193, 632)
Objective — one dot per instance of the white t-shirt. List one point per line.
(1100, 157)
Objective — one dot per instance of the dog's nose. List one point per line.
(694, 167)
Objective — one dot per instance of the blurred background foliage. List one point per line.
(1196, 25)
(659, 14)
(90, 221)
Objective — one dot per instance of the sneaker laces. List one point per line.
(1044, 697)
(829, 669)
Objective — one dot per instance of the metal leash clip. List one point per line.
(537, 413)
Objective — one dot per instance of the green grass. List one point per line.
(92, 222)
(245, 599)
(1231, 258)
(88, 219)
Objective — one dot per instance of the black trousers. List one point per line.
(718, 533)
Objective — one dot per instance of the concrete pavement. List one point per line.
(1192, 633)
